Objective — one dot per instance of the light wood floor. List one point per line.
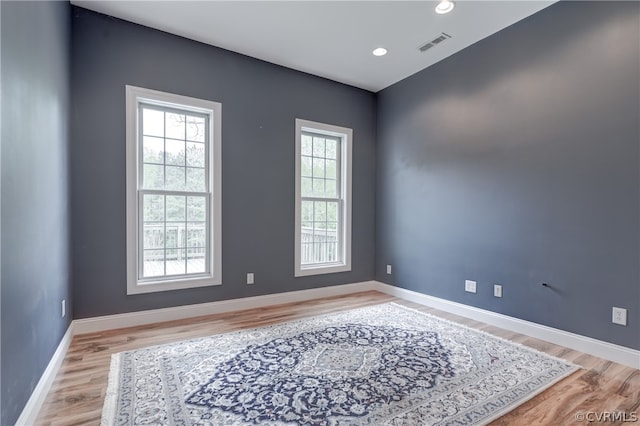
(76, 397)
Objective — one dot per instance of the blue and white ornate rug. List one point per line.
(379, 365)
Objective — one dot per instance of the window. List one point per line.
(173, 191)
(323, 198)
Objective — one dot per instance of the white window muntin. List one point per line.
(337, 199)
(205, 194)
(137, 99)
(342, 198)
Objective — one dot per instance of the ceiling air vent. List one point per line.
(437, 40)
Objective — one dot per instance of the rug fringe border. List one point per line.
(110, 407)
(528, 398)
(506, 410)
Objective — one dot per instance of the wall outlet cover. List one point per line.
(619, 316)
(497, 290)
(389, 269)
(470, 286)
(250, 278)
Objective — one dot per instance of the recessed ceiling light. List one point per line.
(380, 51)
(445, 6)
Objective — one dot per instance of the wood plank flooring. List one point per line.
(77, 395)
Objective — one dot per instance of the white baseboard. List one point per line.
(609, 351)
(110, 322)
(39, 394)
(601, 349)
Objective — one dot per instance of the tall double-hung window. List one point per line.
(323, 198)
(173, 191)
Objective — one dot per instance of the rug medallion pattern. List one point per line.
(385, 364)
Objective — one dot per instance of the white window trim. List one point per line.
(346, 135)
(134, 95)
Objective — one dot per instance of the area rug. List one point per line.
(380, 365)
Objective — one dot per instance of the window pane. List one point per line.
(196, 247)
(195, 154)
(305, 165)
(175, 178)
(330, 168)
(153, 150)
(152, 122)
(153, 176)
(175, 208)
(307, 211)
(318, 187)
(153, 208)
(175, 126)
(307, 145)
(196, 236)
(332, 212)
(173, 235)
(318, 167)
(331, 146)
(175, 262)
(195, 260)
(332, 252)
(318, 147)
(307, 187)
(196, 130)
(196, 209)
(331, 188)
(307, 253)
(317, 255)
(153, 265)
(319, 211)
(195, 180)
(175, 152)
(153, 236)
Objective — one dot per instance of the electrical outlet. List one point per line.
(497, 290)
(250, 278)
(64, 308)
(470, 286)
(389, 269)
(619, 316)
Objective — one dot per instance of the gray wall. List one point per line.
(516, 161)
(260, 102)
(34, 197)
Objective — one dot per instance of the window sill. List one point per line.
(321, 269)
(168, 285)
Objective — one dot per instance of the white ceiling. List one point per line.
(331, 39)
